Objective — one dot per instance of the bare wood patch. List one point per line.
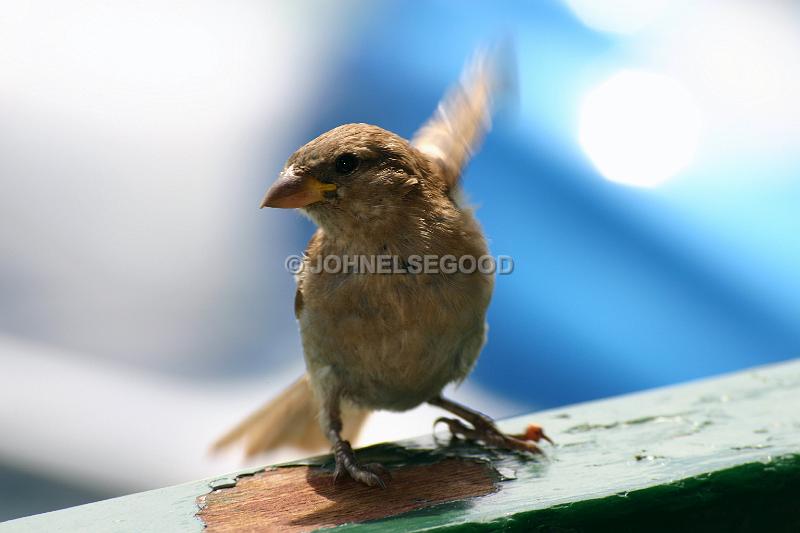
(304, 498)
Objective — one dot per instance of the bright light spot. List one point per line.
(639, 128)
(618, 16)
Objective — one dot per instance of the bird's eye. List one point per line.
(346, 163)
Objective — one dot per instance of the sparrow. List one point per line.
(386, 340)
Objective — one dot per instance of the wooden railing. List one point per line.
(718, 455)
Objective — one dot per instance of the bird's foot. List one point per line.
(485, 431)
(371, 474)
(535, 433)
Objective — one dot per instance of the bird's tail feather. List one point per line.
(289, 420)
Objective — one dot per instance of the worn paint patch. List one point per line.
(303, 498)
(717, 455)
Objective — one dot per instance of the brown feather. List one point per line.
(462, 119)
(290, 419)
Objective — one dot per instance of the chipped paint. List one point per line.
(304, 498)
(725, 451)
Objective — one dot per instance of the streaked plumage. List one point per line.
(384, 341)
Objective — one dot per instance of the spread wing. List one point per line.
(463, 117)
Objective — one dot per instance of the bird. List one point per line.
(388, 340)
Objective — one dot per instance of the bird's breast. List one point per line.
(394, 340)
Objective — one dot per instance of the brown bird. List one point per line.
(377, 340)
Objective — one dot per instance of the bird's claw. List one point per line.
(370, 474)
(488, 433)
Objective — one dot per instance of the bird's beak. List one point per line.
(295, 190)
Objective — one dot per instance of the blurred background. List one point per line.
(645, 183)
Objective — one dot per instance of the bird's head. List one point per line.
(355, 173)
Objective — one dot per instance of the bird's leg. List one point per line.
(483, 428)
(372, 474)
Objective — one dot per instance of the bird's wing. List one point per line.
(312, 250)
(453, 133)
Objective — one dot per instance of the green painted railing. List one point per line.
(716, 455)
